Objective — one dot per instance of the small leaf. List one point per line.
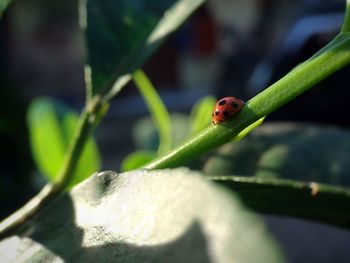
(247, 130)
(51, 125)
(200, 116)
(137, 159)
(144, 216)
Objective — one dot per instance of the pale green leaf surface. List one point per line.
(144, 216)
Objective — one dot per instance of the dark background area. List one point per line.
(226, 48)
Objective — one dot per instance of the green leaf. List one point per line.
(51, 125)
(3, 6)
(308, 200)
(137, 159)
(144, 216)
(200, 116)
(156, 107)
(289, 169)
(121, 35)
(247, 130)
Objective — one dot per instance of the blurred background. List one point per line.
(227, 48)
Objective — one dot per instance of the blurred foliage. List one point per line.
(121, 35)
(200, 116)
(51, 126)
(294, 151)
(3, 5)
(137, 159)
(146, 139)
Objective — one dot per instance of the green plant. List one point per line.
(106, 75)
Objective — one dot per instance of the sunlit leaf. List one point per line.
(144, 216)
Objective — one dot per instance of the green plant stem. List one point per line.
(10, 223)
(157, 109)
(309, 200)
(346, 23)
(328, 60)
(85, 126)
(76, 147)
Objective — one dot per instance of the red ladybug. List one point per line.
(225, 108)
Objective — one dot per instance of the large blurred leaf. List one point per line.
(122, 34)
(143, 216)
(308, 200)
(3, 5)
(51, 126)
(282, 166)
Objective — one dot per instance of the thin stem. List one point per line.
(76, 147)
(346, 23)
(328, 60)
(82, 133)
(10, 223)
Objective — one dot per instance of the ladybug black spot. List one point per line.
(225, 113)
(234, 104)
(222, 102)
(217, 113)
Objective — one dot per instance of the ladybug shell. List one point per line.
(225, 108)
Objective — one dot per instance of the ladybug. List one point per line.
(225, 108)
